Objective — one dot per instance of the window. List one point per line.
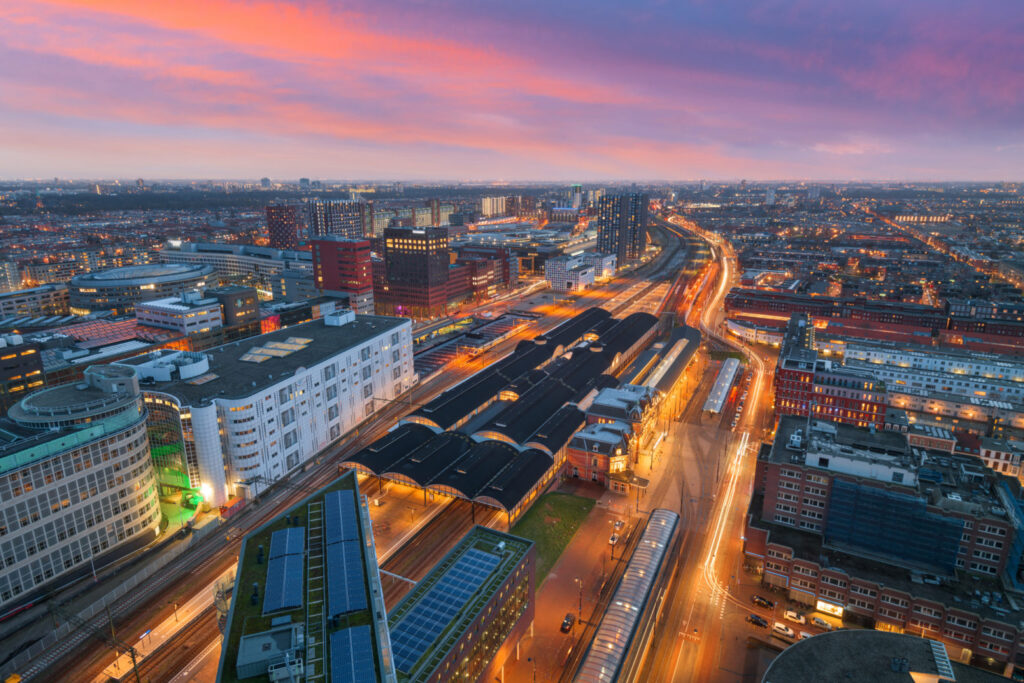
(329, 372)
(332, 392)
(364, 353)
(367, 390)
(394, 339)
(332, 412)
(396, 373)
(367, 372)
(282, 395)
(396, 356)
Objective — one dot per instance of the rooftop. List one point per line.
(337, 518)
(867, 655)
(435, 614)
(133, 275)
(235, 378)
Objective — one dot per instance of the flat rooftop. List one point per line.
(236, 378)
(345, 525)
(866, 655)
(435, 614)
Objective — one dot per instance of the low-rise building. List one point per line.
(467, 616)
(568, 274)
(45, 300)
(188, 313)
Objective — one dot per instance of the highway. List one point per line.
(77, 658)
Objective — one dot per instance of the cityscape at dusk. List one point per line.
(436, 342)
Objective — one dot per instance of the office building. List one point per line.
(342, 266)
(119, 289)
(568, 274)
(238, 305)
(250, 412)
(343, 218)
(416, 263)
(21, 369)
(189, 313)
(860, 525)
(465, 618)
(77, 480)
(259, 267)
(10, 277)
(807, 385)
(603, 264)
(315, 608)
(284, 225)
(622, 226)
(45, 300)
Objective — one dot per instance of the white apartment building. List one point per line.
(492, 206)
(187, 314)
(983, 365)
(252, 411)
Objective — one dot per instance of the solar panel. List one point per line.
(352, 656)
(436, 608)
(284, 584)
(346, 578)
(291, 541)
(341, 521)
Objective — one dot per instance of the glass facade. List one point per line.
(885, 522)
(175, 470)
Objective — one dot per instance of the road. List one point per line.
(74, 659)
(699, 638)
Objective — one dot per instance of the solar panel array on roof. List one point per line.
(422, 624)
(290, 541)
(284, 583)
(352, 656)
(346, 578)
(341, 523)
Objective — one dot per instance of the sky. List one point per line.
(520, 90)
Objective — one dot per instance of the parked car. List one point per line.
(567, 623)
(794, 616)
(780, 629)
(760, 622)
(762, 602)
(619, 524)
(613, 539)
(821, 623)
(804, 635)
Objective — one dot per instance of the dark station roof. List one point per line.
(474, 471)
(559, 428)
(573, 329)
(515, 481)
(385, 452)
(428, 461)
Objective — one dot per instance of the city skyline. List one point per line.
(226, 90)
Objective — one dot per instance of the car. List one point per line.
(821, 623)
(613, 539)
(760, 622)
(794, 616)
(762, 602)
(804, 635)
(619, 524)
(780, 629)
(567, 623)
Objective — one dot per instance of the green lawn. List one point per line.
(551, 524)
(722, 355)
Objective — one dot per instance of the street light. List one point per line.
(534, 663)
(579, 613)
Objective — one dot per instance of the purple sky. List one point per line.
(472, 89)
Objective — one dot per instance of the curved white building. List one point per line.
(76, 479)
